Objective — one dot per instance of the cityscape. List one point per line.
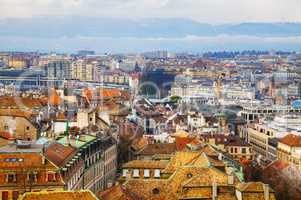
(142, 100)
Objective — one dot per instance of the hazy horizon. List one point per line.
(144, 25)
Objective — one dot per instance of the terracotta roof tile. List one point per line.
(63, 195)
(158, 148)
(117, 192)
(59, 154)
(17, 113)
(145, 164)
(291, 140)
(18, 102)
(54, 98)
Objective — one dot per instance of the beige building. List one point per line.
(289, 150)
(85, 70)
(19, 124)
(17, 62)
(259, 135)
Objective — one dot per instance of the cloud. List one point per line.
(211, 11)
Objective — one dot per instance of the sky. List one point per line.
(209, 11)
(203, 11)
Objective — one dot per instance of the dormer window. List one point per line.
(146, 173)
(32, 177)
(157, 173)
(189, 175)
(136, 173)
(124, 172)
(50, 177)
(11, 178)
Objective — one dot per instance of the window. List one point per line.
(235, 150)
(156, 191)
(51, 177)
(157, 173)
(189, 175)
(243, 150)
(136, 173)
(5, 195)
(6, 128)
(15, 195)
(146, 173)
(27, 128)
(11, 178)
(124, 172)
(32, 177)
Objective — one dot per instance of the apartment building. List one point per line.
(27, 171)
(259, 134)
(94, 164)
(289, 150)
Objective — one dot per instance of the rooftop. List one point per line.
(64, 195)
(291, 140)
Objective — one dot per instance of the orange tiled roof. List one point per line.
(145, 164)
(139, 143)
(18, 102)
(150, 189)
(88, 92)
(207, 177)
(22, 160)
(180, 159)
(291, 140)
(54, 98)
(158, 148)
(6, 135)
(17, 113)
(21, 164)
(62, 195)
(117, 192)
(181, 142)
(59, 154)
(251, 187)
(109, 93)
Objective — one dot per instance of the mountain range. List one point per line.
(131, 35)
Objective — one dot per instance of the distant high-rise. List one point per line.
(85, 53)
(59, 69)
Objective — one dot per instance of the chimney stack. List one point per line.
(266, 191)
(230, 179)
(214, 190)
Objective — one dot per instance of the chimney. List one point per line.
(266, 191)
(220, 156)
(43, 155)
(230, 179)
(214, 190)
(238, 194)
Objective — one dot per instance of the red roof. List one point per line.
(291, 140)
(6, 135)
(181, 142)
(54, 98)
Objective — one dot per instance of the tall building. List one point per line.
(84, 70)
(18, 62)
(59, 69)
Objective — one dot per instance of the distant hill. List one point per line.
(46, 27)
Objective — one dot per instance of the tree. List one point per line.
(175, 99)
